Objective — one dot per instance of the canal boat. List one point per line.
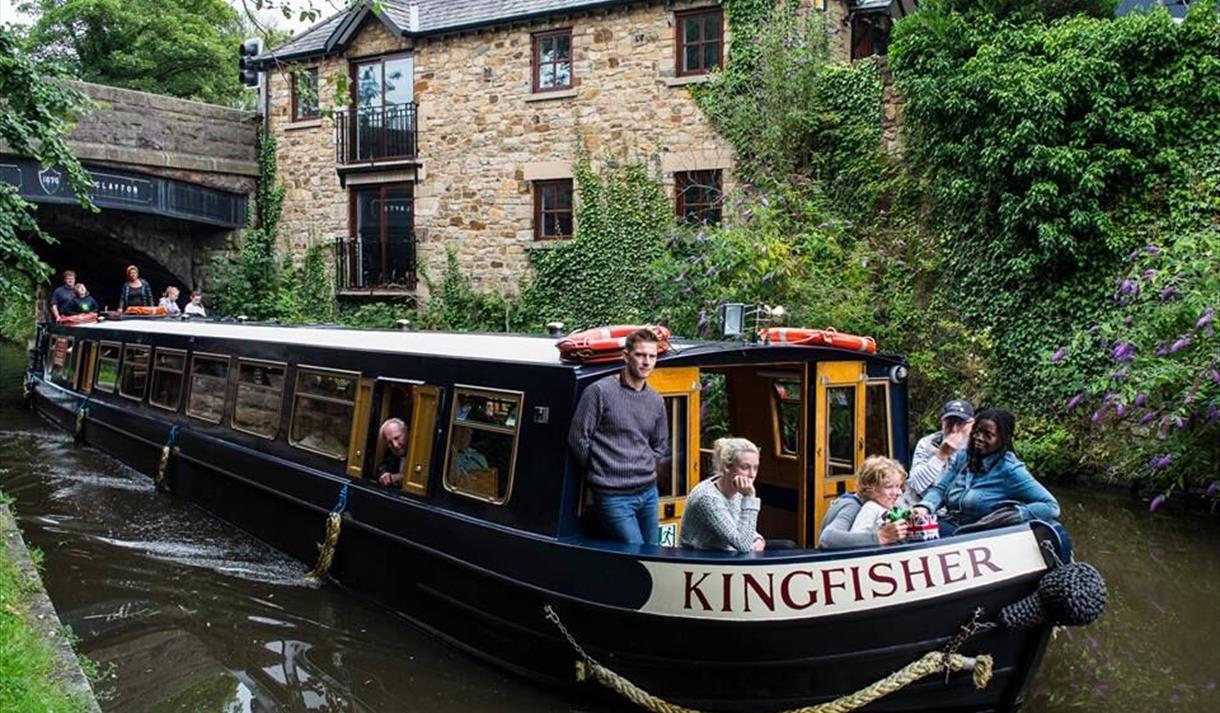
(488, 543)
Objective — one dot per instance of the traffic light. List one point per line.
(249, 49)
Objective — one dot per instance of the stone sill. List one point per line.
(546, 96)
(549, 244)
(306, 124)
(683, 81)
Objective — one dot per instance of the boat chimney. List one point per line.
(403, 325)
(554, 329)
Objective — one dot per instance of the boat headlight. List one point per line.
(899, 374)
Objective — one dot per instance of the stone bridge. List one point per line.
(173, 178)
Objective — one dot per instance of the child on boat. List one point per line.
(879, 486)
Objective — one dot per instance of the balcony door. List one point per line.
(382, 237)
(383, 94)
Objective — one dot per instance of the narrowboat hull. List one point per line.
(483, 587)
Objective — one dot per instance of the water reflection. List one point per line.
(190, 614)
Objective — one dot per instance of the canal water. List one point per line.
(183, 612)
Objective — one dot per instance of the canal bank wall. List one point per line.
(43, 619)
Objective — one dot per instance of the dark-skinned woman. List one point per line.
(988, 483)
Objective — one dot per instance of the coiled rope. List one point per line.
(170, 443)
(82, 413)
(932, 662)
(326, 550)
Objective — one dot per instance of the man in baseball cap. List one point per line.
(934, 450)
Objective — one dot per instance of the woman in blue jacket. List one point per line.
(988, 478)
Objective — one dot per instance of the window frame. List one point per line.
(98, 383)
(70, 357)
(540, 213)
(123, 370)
(383, 230)
(884, 385)
(777, 404)
(237, 383)
(515, 432)
(536, 63)
(190, 390)
(152, 376)
(684, 180)
(296, 97)
(680, 43)
(304, 370)
(855, 461)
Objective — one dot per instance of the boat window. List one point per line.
(260, 397)
(673, 482)
(168, 365)
(133, 379)
(209, 377)
(62, 366)
(841, 431)
(482, 443)
(786, 415)
(107, 367)
(877, 420)
(322, 406)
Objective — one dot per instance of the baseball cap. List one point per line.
(957, 409)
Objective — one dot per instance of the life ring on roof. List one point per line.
(73, 319)
(605, 344)
(145, 311)
(829, 337)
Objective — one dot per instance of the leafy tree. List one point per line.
(184, 48)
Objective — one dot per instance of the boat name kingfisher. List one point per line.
(838, 585)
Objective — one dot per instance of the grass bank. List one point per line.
(30, 680)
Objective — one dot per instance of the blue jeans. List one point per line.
(629, 517)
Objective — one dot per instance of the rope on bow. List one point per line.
(171, 443)
(326, 550)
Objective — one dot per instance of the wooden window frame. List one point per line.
(686, 179)
(680, 42)
(354, 79)
(152, 377)
(237, 383)
(884, 385)
(539, 213)
(515, 432)
(777, 425)
(304, 370)
(296, 97)
(190, 388)
(118, 361)
(536, 61)
(123, 371)
(383, 231)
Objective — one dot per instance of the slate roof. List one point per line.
(427, 17)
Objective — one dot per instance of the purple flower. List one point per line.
(1213, 489)
(1179, 422)
(1182, 343)
(1161, 461)
(710, 272)
(1120, 375)
(1152, 249)
(1160, 349)
(1206, 319)
(1141, 400)
(1074, 402)
(1098, 415)
(1216, 375)
(1059, 355)
(1108, 397)
(1130, 287)
(1148, 274)
(1123, 352)
(1213, 414)
(1128, 320)
(1120, 410)
(1147, 419)
(1156, 503)
(701, 236)
(1135, 254)
(1093, 329)
(703, 321)
(1169, 293)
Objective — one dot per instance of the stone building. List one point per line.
(408, 128)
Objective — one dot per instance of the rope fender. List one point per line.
(932, 662)
(326, 550)
(82, 413)
(171, 442)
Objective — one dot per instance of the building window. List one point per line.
(870, 35)
(553, 209)
(381, 251)
(700, 40)
(552, 60)
(305, 94)
(698, 196)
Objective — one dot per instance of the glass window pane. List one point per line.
(488, 410)
(691, 60)
(483, 435)
(135, 372)
(876, 421)
(256, 408)
(563, 196)
(550, 225)
(563, 49)
(546, 49)
(550, 194)
(322, 412)
(711, 55)
(399, 80)
(711, 26)
(673, 482)
(563, 74)
(564, 226)
(63, 360)
(546, 76)
(841, 430)
(786, 397)
(368, 85)
(209, 376)
(690, 29)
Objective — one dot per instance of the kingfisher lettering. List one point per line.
(822, 586)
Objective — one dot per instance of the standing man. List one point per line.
(63, 296)
(619, 433)
(934, 450)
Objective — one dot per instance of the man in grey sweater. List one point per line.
(619, 433)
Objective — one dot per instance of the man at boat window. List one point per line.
(619, 433)
(63, 296)
(466, 458)
(935, 450)
(394, 434)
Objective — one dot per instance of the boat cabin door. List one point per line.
(838, 435)
(679, 387)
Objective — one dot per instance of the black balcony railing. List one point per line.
(373, 265)
(375, 133)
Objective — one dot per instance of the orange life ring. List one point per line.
(829, 337)
(145, 311)
(82, 318)
(605, 344)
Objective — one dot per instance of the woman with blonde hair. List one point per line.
(722, 511)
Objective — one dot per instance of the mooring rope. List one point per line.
(170, 443)
(326, 550)
(932, 662)
(82, 413)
